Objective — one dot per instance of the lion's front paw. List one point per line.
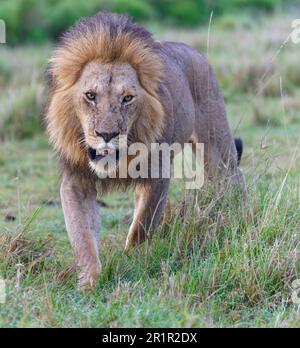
(88, 276)
(130, 244)
(134, 239)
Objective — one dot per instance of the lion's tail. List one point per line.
(239, 148)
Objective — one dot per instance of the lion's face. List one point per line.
(107, 101)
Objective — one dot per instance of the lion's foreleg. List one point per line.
(82, 220)
(149, 202)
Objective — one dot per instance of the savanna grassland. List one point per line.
(222, 264)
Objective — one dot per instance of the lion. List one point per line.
(108, 78)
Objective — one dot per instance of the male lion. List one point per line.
(108, 78)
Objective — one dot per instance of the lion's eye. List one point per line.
(90, 95)
(127, 99)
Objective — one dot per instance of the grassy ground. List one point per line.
(232, 267)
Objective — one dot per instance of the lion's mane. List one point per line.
(106, 38)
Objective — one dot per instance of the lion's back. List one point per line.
(189, 68)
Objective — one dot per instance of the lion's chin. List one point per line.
(103, 172)
(105, 165)
(108, 170)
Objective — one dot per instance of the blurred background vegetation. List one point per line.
(240, 28)
(230, 269)
(32, 26)
(39, 20)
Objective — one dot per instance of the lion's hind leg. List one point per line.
(221, 159)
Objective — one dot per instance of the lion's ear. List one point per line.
(63, 126)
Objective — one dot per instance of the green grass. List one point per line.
(230, 266)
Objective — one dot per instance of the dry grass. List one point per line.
(215, 263)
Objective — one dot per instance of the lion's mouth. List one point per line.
(96, 155)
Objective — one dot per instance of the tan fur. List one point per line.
(177, 99)
(66, 65)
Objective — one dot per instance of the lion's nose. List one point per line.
(107, 136)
